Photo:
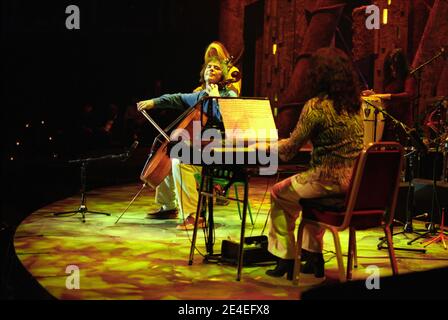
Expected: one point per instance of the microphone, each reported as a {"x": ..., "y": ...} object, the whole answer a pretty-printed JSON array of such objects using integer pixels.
[
  {"x": 132, "y": 148},
  {"x": 443, "y": 52},
  {"x": 424, "y": 215},
  {"x": 125, "y": 156}
]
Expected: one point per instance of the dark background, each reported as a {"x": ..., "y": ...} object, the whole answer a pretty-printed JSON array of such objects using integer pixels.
[{"x": 125, "y": 51}]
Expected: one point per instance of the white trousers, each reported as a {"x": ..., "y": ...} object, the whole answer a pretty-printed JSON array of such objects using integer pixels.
[
  {"x": 285, "y": 210},
  {"x": 178, "y": 189}
]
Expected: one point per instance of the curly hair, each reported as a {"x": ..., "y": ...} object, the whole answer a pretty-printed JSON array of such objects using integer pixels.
[{"x": 332, "y": 74}]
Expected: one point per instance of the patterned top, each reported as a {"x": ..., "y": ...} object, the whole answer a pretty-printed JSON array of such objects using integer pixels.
[{"x": 337, "y": 140}]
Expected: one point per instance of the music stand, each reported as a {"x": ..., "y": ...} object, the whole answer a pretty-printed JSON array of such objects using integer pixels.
[{"x": 237, "y": 114}]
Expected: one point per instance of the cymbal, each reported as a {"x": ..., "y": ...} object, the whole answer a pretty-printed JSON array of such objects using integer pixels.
[{"x": 437, "y": 99}]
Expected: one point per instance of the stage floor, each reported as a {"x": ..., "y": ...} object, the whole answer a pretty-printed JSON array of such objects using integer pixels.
[{"x": 140, "y": 258}]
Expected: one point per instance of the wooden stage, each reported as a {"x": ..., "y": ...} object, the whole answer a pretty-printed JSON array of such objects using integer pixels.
[{"x": 140, "y": 258}]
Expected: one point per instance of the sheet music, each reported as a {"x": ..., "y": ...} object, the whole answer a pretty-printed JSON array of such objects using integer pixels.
[{"x": 248, "y": 119}]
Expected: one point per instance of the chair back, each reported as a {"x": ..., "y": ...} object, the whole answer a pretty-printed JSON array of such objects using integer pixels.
[{"x": 375, "y": 181}]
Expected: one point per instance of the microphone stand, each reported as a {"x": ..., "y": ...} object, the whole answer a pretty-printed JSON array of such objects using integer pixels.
[
  {"x": 435, "y": 199},
  {"x": 408, "y": 225},
  {"x": 418, "y": 74},
  {"x": 424, "y": 64},
  {"x": 83, "y": 171}
]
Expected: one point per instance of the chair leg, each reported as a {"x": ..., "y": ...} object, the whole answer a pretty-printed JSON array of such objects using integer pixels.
[
  {"x": 351, "y": 252},
  {"x": 390, "y": 247},
  {"x": 337, "y": 245},
  {"x": 298, "y": 254}
]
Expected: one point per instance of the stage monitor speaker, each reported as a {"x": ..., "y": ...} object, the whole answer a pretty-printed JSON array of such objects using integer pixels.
[
  {"x": 423, "y": 196},
  {"x": 255, "y": 251}
]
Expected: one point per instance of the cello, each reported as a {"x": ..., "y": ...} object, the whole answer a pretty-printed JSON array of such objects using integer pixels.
[{"x": 158, "y": 164}]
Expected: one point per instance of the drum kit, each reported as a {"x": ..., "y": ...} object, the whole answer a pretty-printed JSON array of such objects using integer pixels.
[{"x": 434, "y": 142}]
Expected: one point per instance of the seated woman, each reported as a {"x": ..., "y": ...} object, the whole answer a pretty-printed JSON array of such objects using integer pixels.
[{"x": 332, "y": 121}]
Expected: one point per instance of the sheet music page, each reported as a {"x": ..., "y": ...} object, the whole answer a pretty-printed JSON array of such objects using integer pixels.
[{"x": 248, "y": 119}]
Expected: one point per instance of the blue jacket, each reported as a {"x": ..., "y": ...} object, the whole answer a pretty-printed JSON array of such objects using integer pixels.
[{"x": 183, "y": 101}]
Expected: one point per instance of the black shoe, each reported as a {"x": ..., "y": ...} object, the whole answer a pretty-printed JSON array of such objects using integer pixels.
[
  {"x": 305, "y": 255},
  {"x": 283, "y": 266},
  {"x": 315, "y": 264},
  {"x": 163, "y": 214}
]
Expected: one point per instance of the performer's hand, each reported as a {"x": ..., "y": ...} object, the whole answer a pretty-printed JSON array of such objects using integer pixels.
[
  {"x": 366, "y": 93},
  {"x": 212, "y": 90},
  {"x": 145, "y": 104}
]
